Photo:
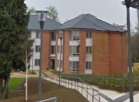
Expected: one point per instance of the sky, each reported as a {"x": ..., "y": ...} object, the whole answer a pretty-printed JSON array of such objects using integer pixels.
[{"x": 111, "y": 11}]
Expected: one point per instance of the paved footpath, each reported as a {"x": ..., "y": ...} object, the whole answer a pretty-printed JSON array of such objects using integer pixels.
[{"x": 93, "y": 93}]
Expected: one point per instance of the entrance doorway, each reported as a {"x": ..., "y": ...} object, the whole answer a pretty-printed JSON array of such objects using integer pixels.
[{"x": 52, "y": 64}]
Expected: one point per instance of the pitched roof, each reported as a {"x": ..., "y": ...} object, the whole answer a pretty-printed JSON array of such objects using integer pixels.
[
  {"x": 88, "y": 21},
  {"x": 49, "y": 24}
]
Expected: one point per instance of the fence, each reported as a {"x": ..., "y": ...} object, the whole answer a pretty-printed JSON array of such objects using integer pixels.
[
  {"x": 91, "y": 94},
  {"x": 52, "y": 99}
]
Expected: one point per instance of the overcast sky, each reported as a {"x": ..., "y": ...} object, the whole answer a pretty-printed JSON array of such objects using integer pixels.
[{"x": 111, "y": 11}]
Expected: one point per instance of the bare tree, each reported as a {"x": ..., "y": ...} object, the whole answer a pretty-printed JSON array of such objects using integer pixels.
[{"x": 52, "y": 13}]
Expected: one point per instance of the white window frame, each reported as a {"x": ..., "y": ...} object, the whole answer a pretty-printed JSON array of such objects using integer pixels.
[
  {"x": 75, "y": 35},
  {"x": 75, "y": 50},
  {"x": 38, "y": 35},
  {"x": 74, "y": 66},
  {"x": 89, "y": 35},
  {"x": 37, "y": 62},
  {"x": 88, "y": 65},
  {"x": 37, "y": 48},
  {"x": 53, "y": 36},
  {"x": 89, "y": 50}
]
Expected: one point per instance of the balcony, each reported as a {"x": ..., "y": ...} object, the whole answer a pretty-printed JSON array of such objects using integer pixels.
[
  {"x": 88, "y": 71},
  {"x": 89, "y": 42},
  {"x": 89, "y": 57},
  {"x": 74, "y": 58},
  {"x": 74, "y": 43},
  {"x": 52, "y": 56},
  {"x": 53, "y": 43}
]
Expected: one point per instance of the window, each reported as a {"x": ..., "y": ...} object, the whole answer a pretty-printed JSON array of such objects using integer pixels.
[
  {"x": 89, "y": 34},
  {"x": 75, "y": 35},
  {"x": 52, "y": 49},
  {"x": 88, "y": 65},
  {"x": 38, "y": 34},
  {"x": 37, "y": 62},
  {"x": 37, "y": 48},
  {"x": 74, "y": 66},
  {"x": 89, "y": 50},
  {"x": 53, "y": 36},
  {"x": 74, "y": 50}
]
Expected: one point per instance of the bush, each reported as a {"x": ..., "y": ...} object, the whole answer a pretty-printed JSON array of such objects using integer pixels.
[
  {"x": 136, "y": 69},
  {"x": 118, "y": 83},
  {"x": 32, "y": 72}
]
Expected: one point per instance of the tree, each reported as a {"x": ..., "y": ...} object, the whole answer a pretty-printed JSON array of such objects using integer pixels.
[
  {"x": 135, "y": 46},
  {"x": 32, "y": 10},
  {"x": 14, "y": 39},
  {"x": 52, "y": 13},
  {"x": 5, "y": 48}
]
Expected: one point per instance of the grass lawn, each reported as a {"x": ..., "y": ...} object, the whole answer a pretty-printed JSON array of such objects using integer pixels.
[
  {"x": 15, "y": 83},
  {"x": 49, "y": 90}
]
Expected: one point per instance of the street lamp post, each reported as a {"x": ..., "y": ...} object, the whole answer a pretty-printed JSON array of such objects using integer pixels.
[
  {"x": 138, "y": 16},
  {"x": 130, "y": 73},
  {"x": 42, "y": 20},
  {"x": 133, "y": 4}
]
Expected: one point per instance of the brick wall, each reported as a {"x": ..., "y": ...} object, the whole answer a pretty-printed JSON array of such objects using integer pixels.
[
  {"x": 125, "y": 52},
  {"x": 100, "y": 53},
  {"x": 109, "y": 53},
  {"x": 66, "y": 52},
  {"x": 118, "y": 51},
  {"x": 46, "y": 50},
  {"x": 82, "y": 57}
]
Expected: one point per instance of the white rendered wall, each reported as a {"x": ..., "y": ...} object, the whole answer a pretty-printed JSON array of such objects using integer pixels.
[{"x": 35, "y": 55}]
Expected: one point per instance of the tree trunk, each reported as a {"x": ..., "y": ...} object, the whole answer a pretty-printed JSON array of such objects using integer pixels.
[
  {"x": 6, "y": 88},
  {"x": 1, "y": 83}
]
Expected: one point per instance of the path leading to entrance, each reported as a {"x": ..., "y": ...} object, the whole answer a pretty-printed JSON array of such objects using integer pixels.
[{"x": 50, "y": 74}]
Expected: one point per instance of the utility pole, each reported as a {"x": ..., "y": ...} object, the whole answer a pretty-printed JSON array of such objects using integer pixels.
[
  {"x": 138, "y": 16},
  {"x": 128, "y": 4},
  {"x": 42, "y": 20},
  {"x": 130, "y": 73}
]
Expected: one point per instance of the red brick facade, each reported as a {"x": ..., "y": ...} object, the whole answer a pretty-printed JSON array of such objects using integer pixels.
[
  {"x": 46, "y": 50},
  {"x": 66, "y": 64},
  {"x": 110, "y": 53},
  {"x": 82, "y": 57},
  {"x": 101, "y": 53}
]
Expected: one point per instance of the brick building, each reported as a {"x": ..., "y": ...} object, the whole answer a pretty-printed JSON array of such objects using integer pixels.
[
  {"x": 89, "y": 46},
  {"x": 48, "y": 44}
]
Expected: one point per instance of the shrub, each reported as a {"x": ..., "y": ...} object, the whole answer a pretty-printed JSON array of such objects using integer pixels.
[
  {"x": 32, "y": 72},
  {"x": 136, "y": 69},
  {"x": 118, "y": 83}
]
